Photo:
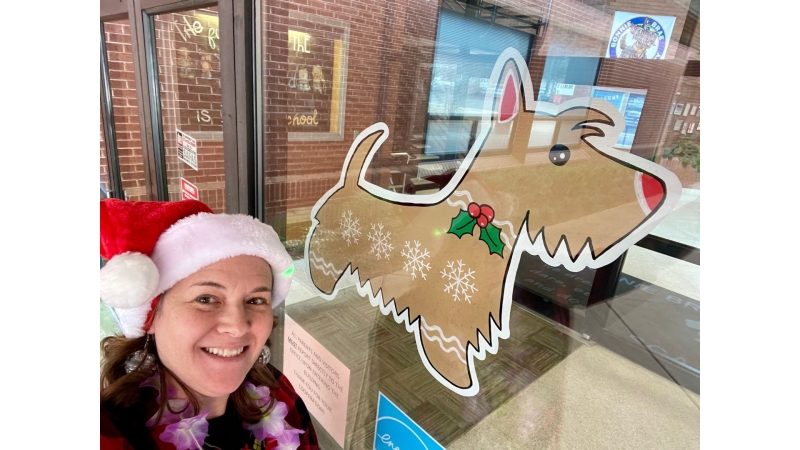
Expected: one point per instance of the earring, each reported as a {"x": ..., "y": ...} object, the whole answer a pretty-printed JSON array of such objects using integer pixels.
[
  {"x": 264, "y": 357},
  {"x": 141, "y": 359}
]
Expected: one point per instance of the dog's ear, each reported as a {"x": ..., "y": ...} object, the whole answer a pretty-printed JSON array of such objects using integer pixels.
[
  {"x": 509, "y": 103},
  {"x": 361, "y": 153},
  {"x": 510, "y": 90}
]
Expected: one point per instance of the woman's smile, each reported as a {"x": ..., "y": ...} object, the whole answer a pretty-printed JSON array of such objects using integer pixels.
[{"x": 225, "y": 352}]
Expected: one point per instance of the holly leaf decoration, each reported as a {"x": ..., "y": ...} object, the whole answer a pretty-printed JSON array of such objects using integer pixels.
[
  {"x": 462, "y": 224},
  {"x": 491, "y": 235}
]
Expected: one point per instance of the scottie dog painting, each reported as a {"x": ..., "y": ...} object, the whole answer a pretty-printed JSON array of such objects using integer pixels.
[{"x": 540, "y": 178}]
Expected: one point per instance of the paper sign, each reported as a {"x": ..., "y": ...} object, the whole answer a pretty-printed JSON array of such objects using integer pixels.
[
  {"x": 394, "y": 430},
  {"x": 189, "y": 191},
  {"x": 639, "y": 36},
  {"x": 565, "y": 89},
  {"x": 321, "y": 380},
  {"x": 187, "y": 149}
]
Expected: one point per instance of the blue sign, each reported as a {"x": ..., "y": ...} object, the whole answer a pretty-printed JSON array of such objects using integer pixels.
[
  {"x": 615, "y": 98},
  {"x": 633, "y": 112},
  {"x": 639, "y": 37},
  {"x": 394, "y": 430}
]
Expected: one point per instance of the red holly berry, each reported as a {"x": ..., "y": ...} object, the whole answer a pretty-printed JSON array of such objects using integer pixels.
[
  {"x": 474, "y": 210},
  {"x": 487, "y": 211},
  {"x": 482, "y": 221}
]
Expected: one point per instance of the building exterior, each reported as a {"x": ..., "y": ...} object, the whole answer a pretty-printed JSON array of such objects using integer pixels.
[{"x": 255, "y": 106}]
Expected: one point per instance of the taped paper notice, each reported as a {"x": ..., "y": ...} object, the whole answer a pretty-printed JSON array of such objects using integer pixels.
[
  {"x": 321, "y": 380},
  {"x": 187, "y": 149}
]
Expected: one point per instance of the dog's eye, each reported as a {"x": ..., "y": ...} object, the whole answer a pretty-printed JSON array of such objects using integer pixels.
[{"x": 559, "y": 154}]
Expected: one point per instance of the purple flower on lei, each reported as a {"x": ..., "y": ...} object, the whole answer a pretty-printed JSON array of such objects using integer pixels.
[
  {"x": 257, "y": 392},
  {"x": 187, "y": 434},
  {"x": 272, "y": 425},
  {"x": 290, "y": 439},
  {"x": 175, "y": 404},
  {"x": 178, "y": 404}
]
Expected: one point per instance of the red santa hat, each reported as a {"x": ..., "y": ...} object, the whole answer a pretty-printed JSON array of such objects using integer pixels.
[{"x": 151, "y": 246}]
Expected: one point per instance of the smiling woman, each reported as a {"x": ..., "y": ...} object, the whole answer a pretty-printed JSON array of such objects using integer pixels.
[{"x": 194, "y": 292}]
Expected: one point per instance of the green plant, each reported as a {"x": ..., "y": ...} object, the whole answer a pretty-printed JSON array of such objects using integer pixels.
[{"x": 687, "y": 149}]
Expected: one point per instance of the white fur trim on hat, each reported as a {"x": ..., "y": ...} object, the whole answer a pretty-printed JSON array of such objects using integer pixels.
[
  {"x": 128, "y": 280},
  {"x": 131, "y": 321},
  {"x": 202, "y": 239}
]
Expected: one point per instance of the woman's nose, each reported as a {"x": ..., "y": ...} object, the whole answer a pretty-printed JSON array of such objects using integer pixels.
[{"x": 234, "y": 320}]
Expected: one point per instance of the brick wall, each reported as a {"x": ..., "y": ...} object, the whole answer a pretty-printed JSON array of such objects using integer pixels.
[
  {"x": 389, "y": 53},
  {"x": 125, "y": 107}
]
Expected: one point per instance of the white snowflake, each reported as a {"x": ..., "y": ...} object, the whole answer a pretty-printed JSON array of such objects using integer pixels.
[
  {"x": 415, "y": 260},
  {"x": 381, "y": 245},
  {"x": 349, "y": 227},
  {"x": 460, "y": 284}
]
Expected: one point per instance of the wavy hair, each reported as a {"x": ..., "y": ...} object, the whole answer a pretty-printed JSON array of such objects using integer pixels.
[{"x": 121, "y": 388}]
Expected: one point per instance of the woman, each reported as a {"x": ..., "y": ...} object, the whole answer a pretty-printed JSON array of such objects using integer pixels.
[{"x": 194, "y": 293}]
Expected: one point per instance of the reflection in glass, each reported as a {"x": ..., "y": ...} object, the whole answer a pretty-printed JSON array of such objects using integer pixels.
[
  {"x": 554, "y": 155},
  {"x": 187, "y": 45}
]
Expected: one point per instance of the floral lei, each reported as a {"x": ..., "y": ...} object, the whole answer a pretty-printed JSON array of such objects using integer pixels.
[{"x": 189, "y": 432}]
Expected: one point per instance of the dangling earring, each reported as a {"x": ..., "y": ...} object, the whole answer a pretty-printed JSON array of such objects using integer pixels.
[
  {"x": 141, "y": 359},
  {"x": 264, "y": 357}
]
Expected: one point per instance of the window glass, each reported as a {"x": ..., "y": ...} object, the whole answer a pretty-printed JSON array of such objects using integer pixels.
[
  {"x": 493, "y": 209},
  {"x": 187, "y": 46}
]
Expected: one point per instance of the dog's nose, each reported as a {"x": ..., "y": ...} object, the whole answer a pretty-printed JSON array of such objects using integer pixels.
[{"x": 650, "y": 191}]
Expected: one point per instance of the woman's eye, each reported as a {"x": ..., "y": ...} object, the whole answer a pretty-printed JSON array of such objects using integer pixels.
[
  {"x": 205, "y": 299},
  {"x": 258, "y": 301}
]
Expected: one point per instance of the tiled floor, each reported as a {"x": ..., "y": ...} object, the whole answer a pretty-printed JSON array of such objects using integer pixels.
[
  {"x": 683, "y": 223},
  {"x": 544, "y": 389},
  {"x": 592, "y": 400},
  {"x": 683, "y": 226},
  {"x": 382, "y": 356}
]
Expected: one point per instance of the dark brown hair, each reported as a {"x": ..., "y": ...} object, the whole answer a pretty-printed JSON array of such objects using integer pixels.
[{"x": 122, "y": 388}]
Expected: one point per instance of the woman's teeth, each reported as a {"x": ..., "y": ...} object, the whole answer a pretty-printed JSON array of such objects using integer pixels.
[{"x": 224, "y": 352}]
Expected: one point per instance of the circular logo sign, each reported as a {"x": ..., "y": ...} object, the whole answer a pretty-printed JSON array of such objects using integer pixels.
[{"x": 640, "y": 38}]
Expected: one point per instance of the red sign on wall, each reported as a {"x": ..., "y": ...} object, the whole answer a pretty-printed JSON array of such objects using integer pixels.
[{"x": 189, "y": 191}]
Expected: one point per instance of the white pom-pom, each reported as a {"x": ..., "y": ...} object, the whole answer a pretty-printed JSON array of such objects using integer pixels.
[{"x": 128, "y": 280}]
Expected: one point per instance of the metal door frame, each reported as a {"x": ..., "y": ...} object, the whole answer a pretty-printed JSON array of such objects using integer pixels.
[
  {"x": 237, "y": 73},
  {"x": 108, "y": 126}
]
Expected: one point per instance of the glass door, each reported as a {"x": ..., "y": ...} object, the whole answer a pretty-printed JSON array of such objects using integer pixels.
[
  {"x": 187, "y": 57},
  {"x": 168, "y": 80}
]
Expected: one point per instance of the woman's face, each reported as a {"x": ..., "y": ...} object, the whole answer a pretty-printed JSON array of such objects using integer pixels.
[{"x": 211, "y": 326}]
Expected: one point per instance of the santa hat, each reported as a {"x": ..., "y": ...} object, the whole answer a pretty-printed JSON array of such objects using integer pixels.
[{"x": 151, "y": 246}]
